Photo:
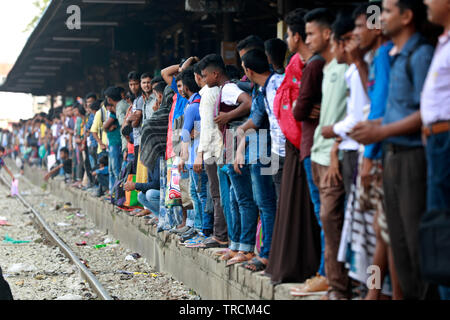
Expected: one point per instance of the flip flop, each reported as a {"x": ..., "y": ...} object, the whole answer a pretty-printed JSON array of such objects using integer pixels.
[
  {"x": 228, "y": 255},
  {"x": 142, "y": 214},
  {"x": 221, "y": 252},
  {"x": 211, "y": 243},
  {"x": 259, "y": 266},
  {"x": 240, "y": 257},
  {"x": 134, "y": 212}
]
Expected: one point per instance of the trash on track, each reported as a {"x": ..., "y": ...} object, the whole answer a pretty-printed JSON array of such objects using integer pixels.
[{"x": 8, "y": 239}]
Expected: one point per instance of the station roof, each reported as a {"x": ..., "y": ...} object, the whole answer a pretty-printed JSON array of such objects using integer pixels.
[{"x": 118, "y": 36}]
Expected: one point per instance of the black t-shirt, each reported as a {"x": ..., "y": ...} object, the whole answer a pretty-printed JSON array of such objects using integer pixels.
[{"x": 67, "y": 165}]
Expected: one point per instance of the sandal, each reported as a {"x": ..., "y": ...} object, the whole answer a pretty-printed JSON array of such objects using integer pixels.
[
  {"x": 143, "y": 213},
  {"x": 152, "y": 221},
  {"x": 134, "y": 212},
  {"x": 228, "y": 255},
  {"x": 221, "y": 252},
  {"x": 255, "y": 265},
  {"x": 212, "y": 243},
  {"x": 240, "y": 257}
]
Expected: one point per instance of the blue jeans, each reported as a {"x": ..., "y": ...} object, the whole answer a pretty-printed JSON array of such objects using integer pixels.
[
  {"x": 265, "y": 196},
  {"x": 168, "y": 217},
  {"x": 438, "y": 180},
  {"x": 150, "y": 200},
  {"x": 114, "y": 163},
  {"x": 198, "y": 191},
  {"x": 224, "y": 188},
  {"x": 315, "y": 198},
  {"x": 243, "y": 209}
]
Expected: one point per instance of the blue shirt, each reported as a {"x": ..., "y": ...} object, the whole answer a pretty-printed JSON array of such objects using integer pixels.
[
  {"x": 180, "y": 104},
  {"x": 404, "y": 96},
  {"x": 378, "y": 89},
  {"x": 91, "y": 138},
  {"x": 191, "y": 121},
  {"x": 260, "y": 118},
  {"x": 103, "y": 171}
]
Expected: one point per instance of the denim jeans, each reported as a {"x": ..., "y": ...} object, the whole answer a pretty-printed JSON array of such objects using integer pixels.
[
  {"x": 438, "y": 180},
  {"x": 266, "y": 199},
  {"x": 198, "y": 191},
  {"x": 168, "y": 217},
  {"x": 243, "y": 209},
  {"x": 150, "y": 200},
  {"x": 224, "y": 188},
  {"x": 114, "y": 163},
  {"x": 315, "y": 198}
]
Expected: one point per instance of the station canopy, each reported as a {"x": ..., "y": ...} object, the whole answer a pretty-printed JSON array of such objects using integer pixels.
[{"x": 118, "y": 36}]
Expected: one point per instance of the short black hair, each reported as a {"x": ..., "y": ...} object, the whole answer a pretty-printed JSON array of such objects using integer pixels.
[
  {"x": 188, "y": 79},
  {"x": 295, "y": 21},
  {"x": 81, "y": 110},
  {"x": 178, "y": 77},
  {"x": 96, "y": 105},
  {"x": 146, "y": 75},
  {"x": 157, "y": 79},
  {"x": 276, "y": 49},
  {"x": 251, "y": 42},
  {"x": 256, "y": 60},
  {"x": 103, "y": 160},
  {"x": 322, "y": 16},
  {"x": 343, "y": 24},
  {"x": 133, "y": 75},
  {"x": 65, "y": 150},
  {"x": 121, "y": 89},
  {"x": 91, "y": 95},
  {"x": 159, "y": 87},
  {"x": 418, "y": 9},
  {"x": 2, "y": 149},
  {"x": 363, "y": 9},
  {"x": 212, "y": 60},
  {"x": 197, "y": 69},
  {"x": 130, "y": 96},
  {"x": 113, "y": 93},
  {"x": 231, "y": 71}
]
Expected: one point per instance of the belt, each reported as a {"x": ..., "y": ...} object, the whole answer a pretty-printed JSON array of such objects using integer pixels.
[
  {"x": 395, "y": 148},
  {"x": 436, "y": 128}
]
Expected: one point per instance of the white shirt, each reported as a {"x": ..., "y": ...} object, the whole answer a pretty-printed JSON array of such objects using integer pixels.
[
  {"x": 435, "y": 102},
  {"x": 356, "y": 102},
  {"x": 230, "y": 94},
  {"x": 210, "y": 143},
  {"x": 278, "y": 139}
]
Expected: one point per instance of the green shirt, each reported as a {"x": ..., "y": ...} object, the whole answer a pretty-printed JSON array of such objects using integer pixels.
[
  {"x": 114, "y": 136},
  {"x": 333, "y": 109}
]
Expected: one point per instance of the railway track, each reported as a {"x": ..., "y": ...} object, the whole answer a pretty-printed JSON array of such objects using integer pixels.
[
  {"x": 108, "y": 269},
  {"x": 85, "y": 273}
]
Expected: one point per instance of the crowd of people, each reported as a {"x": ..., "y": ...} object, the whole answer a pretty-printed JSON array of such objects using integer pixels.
[{"x": 316, "y": 159}]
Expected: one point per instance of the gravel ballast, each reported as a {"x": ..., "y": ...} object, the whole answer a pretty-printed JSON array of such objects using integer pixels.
[{"x": 124, "y": 274}]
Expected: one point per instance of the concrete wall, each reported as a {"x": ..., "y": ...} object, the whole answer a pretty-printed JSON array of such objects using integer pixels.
[{"x": 199, "y": 269}]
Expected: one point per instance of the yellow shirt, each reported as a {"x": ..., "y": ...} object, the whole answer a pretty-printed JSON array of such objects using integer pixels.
[
  {"x": 43, "y": 130},
  {"x": 97, "y": 126}
]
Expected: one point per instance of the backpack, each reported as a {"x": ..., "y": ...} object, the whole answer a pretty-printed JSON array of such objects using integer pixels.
[
  {"x": 286, "y": 95},
  {"x": 118, "y": 193}
]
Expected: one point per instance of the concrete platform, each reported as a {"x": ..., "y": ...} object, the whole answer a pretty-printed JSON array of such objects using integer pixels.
[{"x": 199, "y": 269}]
